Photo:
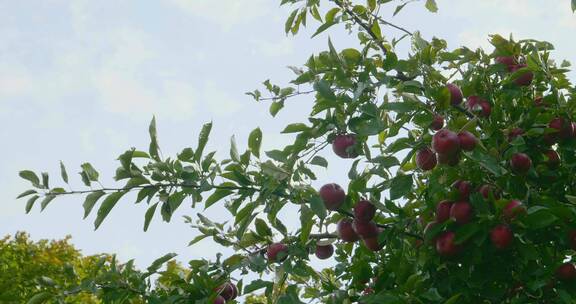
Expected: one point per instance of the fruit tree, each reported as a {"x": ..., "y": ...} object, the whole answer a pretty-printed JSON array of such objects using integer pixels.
[{"x": 460, "y": 187}]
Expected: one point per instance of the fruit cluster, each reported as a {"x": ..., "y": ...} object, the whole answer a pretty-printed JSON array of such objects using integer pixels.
[{"x": 225, "y": 292}]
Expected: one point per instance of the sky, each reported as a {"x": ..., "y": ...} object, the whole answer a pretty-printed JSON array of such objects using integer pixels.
[{"x": 80, "y": 81}]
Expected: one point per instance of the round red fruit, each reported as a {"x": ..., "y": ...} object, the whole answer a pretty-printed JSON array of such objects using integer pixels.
[
  {"x": 479, "y": 105},
  {"x": 552, "y": 159},
  {"x": 461, "y": 212},
  {"x": 467, "y": 141},
  {"x": 487, "y": 190},
  {"x": 445, "y": 245},
  {"x": 513, "y": 209},
  {"x": 228, "y": 291},
  {"x": 445, "y": 142},
  {"x": 324, "y": 252},
  {"x": 344, "y": 146},
  {"x": 364, "y": 211},
  {"x": 566, "y": 272},
  {"x": 464, "y": 189},
  {"x": 501, "y": 236},
  {"x": 508, "y": 61},
  {"x": 426, "y": 159},
  {"x": 455, "y": 94},
  {"x": 520, "y": 163},
  {"x": 365, "y": 229},
  {"x": 443, "y": 211},
  {"x": 346, "y": 232},
  {"x": 437, "y": 123},
  {"x": 277, "y": 252},
  {"x": 219, "y": 300},
  {"x": 373, "y": 244},
  {"x": 525, "y": 79},
  {"x": 512, "y": 134},
  {"x": 333, "y": 196}
]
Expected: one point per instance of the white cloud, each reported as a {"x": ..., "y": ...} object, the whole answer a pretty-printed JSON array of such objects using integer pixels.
[{"x": 226, "y": 14}]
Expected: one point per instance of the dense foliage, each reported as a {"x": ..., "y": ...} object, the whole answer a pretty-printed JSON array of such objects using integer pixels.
[{"x": 461, "y": 177}]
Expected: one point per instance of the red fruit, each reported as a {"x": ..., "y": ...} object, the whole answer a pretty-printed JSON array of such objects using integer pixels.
[
  {"x": 485, "y": 190},
  {"x": 219, "y": 300},
  {"x": 553, "y": 159},
  {"x": 572, "y": 239},
  {"x": 520, "y": 163},
  {"x": 455, "y": 94},
  {"x": 227, "y": 290},
  {"x": 566, "y": 272},
  {"x": 515, "y": 133},
  {"x": 443, "y": 211},
  {"x": 426, "y": 159},
  {"x": 344, "y": 145},
  {"x": 277, "y": 252},
  {"x": 333, "y": 196},
  {"x": 365, "y": 229},
  {"x": 324, "y": 252},
  {"x": 479, "y": 105},
  {"x": 346, "y": 231},
  {"x": 364, "y": 211},
  {"x": 373, "y": 244},
  {"x": 449, "y": 159},
  {"x": 445, "y": 245},
  {"x": 564, "y": 128},
  {"x": 368, "y": 290},
  {"x": 445, "y": 142},
  {"x": 501, "y": 236},
  {"x": 539, "y": 101},
  {"x": 464, "y": 188},
  {"x": 508, "y": 61},
  {"x": 513, "y": 209},
  {"x": 437, "y": 123},
  {"x": 461, "y": 212},
  {"x": 467, "y": 141},
  {"x": 525, "y": 79}
]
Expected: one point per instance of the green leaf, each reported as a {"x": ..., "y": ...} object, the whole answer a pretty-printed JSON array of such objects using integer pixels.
[
  {"x": 47, "y": 199},
  {"x": 255, "y": 285},
  {"x": 453, "y": 299},
  {"x": 40, "y": 297},
  {"x": 216, "y": 196},
  {"x": 45, "y": 180},
  {"x": 26, "y": 193},
  {"x": 202, "y": 140},
  {"x": 197, "y": 239},
  {"x": 319, "y": 161},
  {"x": 149, "y": 215},
  {"x": 295, "y": 128},
  {"x": 317, "y": 206},
  {"x": 90, "y": 201},
  {"x": 234, "y": 150},
  {"x": 160, "y": 261},
  {"x": 255, "y": 141},
  {"x": 275, "y": 107},
  {"x": 431, "y": 6},
  {"x": 153, "y": 149},
  {"x": 400, "y": 186},
  {"x": 466, "y": 232},
  {"x": 573, "y": 5},
  {"x": 306, "y": 222},
  {"x": 290, "y": 21},
  {"x": 262, "y": 228},
  {"x": 107, "y": 206},
  {"x": 399, "y": 8},
  {"x": 270, "y": 169},
  {"x": 324, "y": 90},
  {"x": 540, "y": 219},
  {"x": 322, "y": 28},
  {"x": 376, "y": 30},
  {"x": 30, "y": 203},
  {"x": 90, "y": 172},
  {"x": 31, "y": 177},
  {"x": 63, "y": 172}
]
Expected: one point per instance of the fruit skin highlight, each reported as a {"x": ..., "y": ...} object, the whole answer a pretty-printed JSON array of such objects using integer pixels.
[
  {"x": 344, "y": 144},
  {"x": 501, "y": 236},
  {"x": 333, "y": 196}
]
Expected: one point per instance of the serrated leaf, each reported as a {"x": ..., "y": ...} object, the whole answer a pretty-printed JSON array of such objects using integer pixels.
[
  {"x": 255, "y": 141},
  {"x": 30, "y": 203},
  {"x": 90, "y": 201},
  {"x": 319, "y": 161},
  {"x": 202, "y": 140},
  {"x": 107, "y": 205},
  {"x": 160, "y": 261},
  {"x": 47, "y": 199},
  {"x": 400, "y": 186},
  {"x": 63, "y": 172},
  {"x": 26, "y": 193},
  {"x": 31, "y": 177},
  {"x": 317, "y": 206},
  {"x": 149, "y": 215},
  {"x": 431, "y": 6},
  {"x": 40, "y": 297},
  {"x": 90, "y": 172},
  {"x": 216, "y": 196}
]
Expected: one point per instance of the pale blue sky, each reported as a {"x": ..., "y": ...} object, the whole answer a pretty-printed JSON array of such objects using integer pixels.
[{"x": 80, "y": 80}]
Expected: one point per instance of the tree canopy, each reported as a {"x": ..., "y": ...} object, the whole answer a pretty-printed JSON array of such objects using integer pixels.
[{"x": 461, "y": 185}]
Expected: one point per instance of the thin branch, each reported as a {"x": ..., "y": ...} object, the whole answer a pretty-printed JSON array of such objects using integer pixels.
[
  {"x": 286, "y": 96},
  {"x": 363, "y": 25},
  {"x": 393, "y": 25}
]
